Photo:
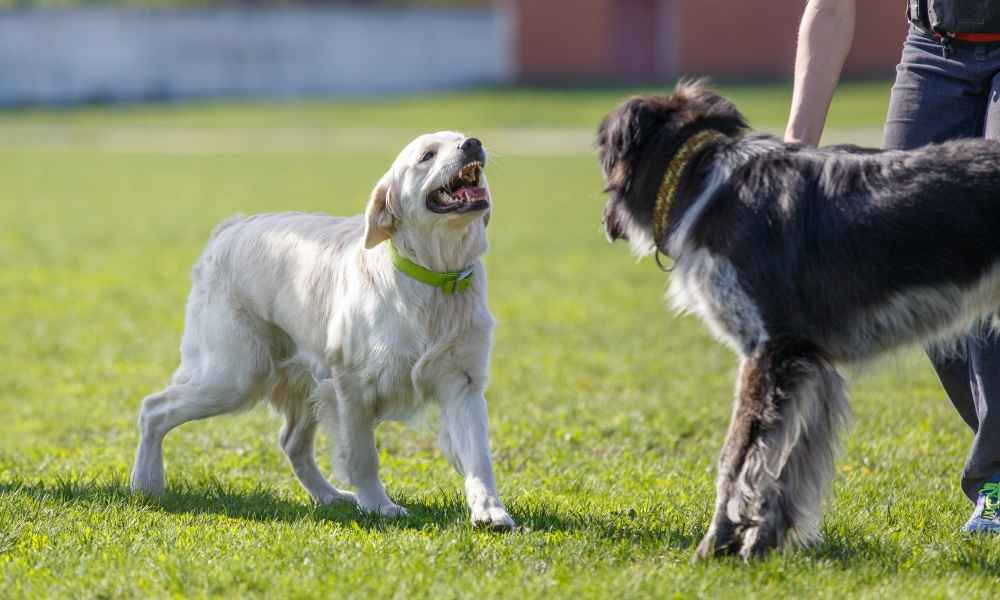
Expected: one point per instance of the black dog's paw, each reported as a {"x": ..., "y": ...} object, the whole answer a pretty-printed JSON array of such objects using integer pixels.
[
  {"x": 719, "y": 541},
  {"x": 759, "y": 541}
]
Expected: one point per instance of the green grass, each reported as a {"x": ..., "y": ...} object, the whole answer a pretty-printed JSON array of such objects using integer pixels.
[
  {"x": 856, "y": 105},
  {"x": 606, "y": 411}
]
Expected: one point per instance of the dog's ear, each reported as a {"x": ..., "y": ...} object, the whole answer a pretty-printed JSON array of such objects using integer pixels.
[
  {"x": 380, "y": 214},
  {"x": 627, "y": 127},
  {"x": 621, "y": 138},
  {"x": 613, "y": 229}
]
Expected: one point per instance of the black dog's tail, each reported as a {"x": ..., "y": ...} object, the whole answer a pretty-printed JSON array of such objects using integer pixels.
[{"x": 778, "y": 460}]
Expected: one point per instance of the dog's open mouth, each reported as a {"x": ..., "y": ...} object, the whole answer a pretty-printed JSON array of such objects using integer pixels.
[{"x": 464, "y": 193}]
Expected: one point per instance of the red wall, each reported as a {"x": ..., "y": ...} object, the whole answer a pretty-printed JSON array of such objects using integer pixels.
[
  {"x": 743, "y": 40},
  {"x": 578, "y": 40},
  {"x": 564, "y": 39},
  {"x": 878, "y": 39}
]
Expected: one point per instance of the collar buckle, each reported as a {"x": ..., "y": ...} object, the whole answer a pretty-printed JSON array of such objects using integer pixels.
[
  {"x": 460, "y": 283},
  {"x": 449, "y": 283}
]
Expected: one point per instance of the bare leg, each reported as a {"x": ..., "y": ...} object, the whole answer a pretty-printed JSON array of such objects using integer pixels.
[
  {"x": 778, "y": 458},
  {"x": 465, "y": 441}
]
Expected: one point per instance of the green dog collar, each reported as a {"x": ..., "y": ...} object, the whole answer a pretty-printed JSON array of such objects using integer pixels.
[{"x": 448, "y": 282}]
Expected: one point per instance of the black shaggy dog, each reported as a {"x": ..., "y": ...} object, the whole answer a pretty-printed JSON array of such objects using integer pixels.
[{"x": 800, "y": 259}]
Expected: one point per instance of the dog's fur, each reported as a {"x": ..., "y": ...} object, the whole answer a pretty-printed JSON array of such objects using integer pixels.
[
  {"x": 309, "y": 312},
  {"x": 801, "y": 259}
]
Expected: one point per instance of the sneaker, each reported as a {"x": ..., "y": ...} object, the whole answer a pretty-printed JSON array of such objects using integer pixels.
[{"x": 986, "y": 517}]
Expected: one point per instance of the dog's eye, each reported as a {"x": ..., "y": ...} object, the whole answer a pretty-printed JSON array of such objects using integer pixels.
[{"x": 427, "y": 156}]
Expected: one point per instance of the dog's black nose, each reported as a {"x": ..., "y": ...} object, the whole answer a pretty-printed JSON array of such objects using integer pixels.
[{"x": 472, "y": 148}]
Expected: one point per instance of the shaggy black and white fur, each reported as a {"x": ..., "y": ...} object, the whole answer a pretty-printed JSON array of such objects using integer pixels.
[{"x": 801, "y": 259}]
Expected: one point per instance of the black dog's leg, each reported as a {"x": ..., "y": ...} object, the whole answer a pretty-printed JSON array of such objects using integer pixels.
[
  {"x": 724, "y": 535},
  {"x": 778, "y": 458}
]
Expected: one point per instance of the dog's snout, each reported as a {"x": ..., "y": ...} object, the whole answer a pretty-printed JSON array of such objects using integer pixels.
[{"x": 473, "y": 149}]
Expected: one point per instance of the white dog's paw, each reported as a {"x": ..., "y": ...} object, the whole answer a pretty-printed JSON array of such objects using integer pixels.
[
  {"x": 494, "y": 518},
  {"x": 334, "y": 496},
  {"x": 390, "y": 510},
  {"x": 147, "y": 484}
]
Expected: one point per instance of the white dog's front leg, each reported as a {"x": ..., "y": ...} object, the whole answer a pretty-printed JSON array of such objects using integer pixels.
[
  {"x": 465, "y": 441},
  {"x": 355, "y": 455}
]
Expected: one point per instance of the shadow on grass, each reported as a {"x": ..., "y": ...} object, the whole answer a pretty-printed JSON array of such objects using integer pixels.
[
  {"x": 260, "y": 504},
  {"x": 849, "y": 552},
  {"x": 445, "y": 511},
  {"x": 624, "y": 527}
]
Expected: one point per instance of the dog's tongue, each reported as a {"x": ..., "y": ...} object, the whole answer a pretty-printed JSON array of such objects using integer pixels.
[{"x": 471, "y": 194}]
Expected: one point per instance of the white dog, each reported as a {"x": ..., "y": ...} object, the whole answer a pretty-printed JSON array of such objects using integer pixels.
[{"x": 336, "y": 327}]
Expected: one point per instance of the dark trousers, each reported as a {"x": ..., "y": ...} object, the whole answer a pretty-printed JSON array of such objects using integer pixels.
[{"x": 940, "y": 96}]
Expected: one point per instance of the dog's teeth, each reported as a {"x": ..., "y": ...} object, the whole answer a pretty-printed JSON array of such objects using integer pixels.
[{"x": 470, "y": 172}]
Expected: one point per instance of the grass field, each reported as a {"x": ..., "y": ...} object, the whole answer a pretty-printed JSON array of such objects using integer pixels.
[{"x": 606, "y": 411}]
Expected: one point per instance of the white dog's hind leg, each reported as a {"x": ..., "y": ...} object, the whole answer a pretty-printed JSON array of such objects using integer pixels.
[
  {"x": 465, "y": 441},
  {"x": 296, "y": 440},
  {"x": 164, "y": 411},
  {"x": 147, "y": 473},
  {"x": 223, "y": 369},
  {"x": 355, "y": 456}
]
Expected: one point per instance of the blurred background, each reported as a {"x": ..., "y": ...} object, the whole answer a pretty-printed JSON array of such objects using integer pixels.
[{"x": 85, "y": 51}]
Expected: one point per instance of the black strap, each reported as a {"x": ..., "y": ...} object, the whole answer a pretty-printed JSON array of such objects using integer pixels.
[{"x": 916, "y": 13}]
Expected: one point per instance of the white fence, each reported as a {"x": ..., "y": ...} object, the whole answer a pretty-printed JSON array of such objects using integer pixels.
[{"x": 86, "y": 55}]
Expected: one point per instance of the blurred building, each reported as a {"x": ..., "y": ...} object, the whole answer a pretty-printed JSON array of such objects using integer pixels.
[
  {"x": 120, "y": 54},
  {"x": 607, "y": 40},
  {"x": 110, "y": 51}
]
